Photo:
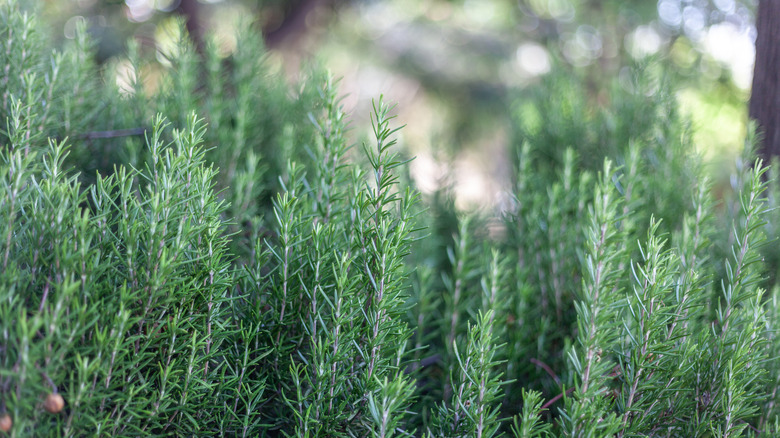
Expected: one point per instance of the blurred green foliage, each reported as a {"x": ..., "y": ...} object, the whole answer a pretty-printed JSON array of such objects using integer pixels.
[
  {"x": 468, "y": 61},
  {"x": 290, "y": 292}
]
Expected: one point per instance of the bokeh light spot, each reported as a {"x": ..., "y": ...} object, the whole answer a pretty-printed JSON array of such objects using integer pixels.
[
  {"x": 125, "y": 77},
  {"x": 727, "y": 44},
  {"x": 669, "y": 12},
  {"x": 726, "y": 6},
  {"x": 643, "y": 41},
  {"x": 693, "y": 21},
  {"x": 139, "y": 10},
  {"x": 533, "y": 59},
  {"x": 71, "y": 25}
]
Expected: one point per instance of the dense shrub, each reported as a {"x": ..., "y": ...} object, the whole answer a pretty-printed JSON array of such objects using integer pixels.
[{"x": 209, "y": 258}]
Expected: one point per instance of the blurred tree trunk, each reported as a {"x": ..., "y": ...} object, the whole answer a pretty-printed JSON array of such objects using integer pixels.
[
  {"x": 294, "y": 24},
  {"x": 190, "y": 10},
  {"x": 765, "y": 99}
]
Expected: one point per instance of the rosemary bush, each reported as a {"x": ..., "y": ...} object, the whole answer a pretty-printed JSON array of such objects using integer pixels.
[{"x": 211, "y": 258}]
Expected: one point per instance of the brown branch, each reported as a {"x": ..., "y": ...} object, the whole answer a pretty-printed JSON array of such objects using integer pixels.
[
  {"x": 294, "y": 24},
  {"x": 546, "y": 367},
  {"x": 190, "y": 10},
  {"x": 556, "y": 398}
]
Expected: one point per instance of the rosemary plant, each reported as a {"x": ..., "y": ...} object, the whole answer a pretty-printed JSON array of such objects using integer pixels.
[{"x": 208, "y": 256}]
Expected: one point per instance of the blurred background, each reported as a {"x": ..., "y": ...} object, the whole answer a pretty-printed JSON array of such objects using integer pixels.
[{"x": 463, "y": 71}]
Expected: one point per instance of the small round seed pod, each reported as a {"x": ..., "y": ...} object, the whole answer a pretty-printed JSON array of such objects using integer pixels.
[
  {"x": 54, "y": 403},
  {"x": 6, "y": 423}
]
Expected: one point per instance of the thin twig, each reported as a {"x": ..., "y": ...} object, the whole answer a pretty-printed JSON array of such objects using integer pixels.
[
  {"x": 556, "y": 398},
  {"x": 546, "y": 367}
]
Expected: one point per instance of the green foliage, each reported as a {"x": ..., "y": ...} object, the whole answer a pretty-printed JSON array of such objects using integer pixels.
[
  {"x": 207, "y": 259},
  {"x": 587, "y": 412},
  {"x": 111, "y": 293},
  {"x": 473, "y": 408},
  {"x": 531, "y": 424}
]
